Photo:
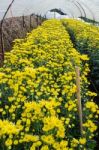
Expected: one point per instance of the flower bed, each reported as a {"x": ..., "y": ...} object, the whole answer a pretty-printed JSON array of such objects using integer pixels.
[
  {"x": 38, "y": 104},
  {"x": 86, "y": 40}
]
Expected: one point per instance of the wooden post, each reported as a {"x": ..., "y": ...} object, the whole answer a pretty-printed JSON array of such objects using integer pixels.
[
  {"x": 37, "y": 19},
  {"x": 30, "y": 21},
  {"x": 79, "y": 98},
  {"x": 40, "y": 19},
  {"x": 23, "y": 21}
]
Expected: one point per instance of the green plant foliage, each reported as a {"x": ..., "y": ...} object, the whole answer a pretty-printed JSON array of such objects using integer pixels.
[
  {"x": 38, "y": 102},
  {"x": 86, "y": 40}
]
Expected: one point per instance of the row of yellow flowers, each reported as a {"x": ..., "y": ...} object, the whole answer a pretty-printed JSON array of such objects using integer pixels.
[
  {"x": 86, "y": 40},
  {"x": 38, "y": 105}
]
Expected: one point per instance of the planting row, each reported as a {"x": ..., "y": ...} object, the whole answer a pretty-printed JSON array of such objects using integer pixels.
[
  {"x": 38, "y": 103},
  {"x": 85, "y": 38}
]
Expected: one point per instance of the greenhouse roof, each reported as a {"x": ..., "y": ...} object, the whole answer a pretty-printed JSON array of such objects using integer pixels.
[{"x": 73, "y": 8}]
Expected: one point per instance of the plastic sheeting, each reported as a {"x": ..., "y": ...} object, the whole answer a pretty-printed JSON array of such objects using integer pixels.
[{"x": 73, "y": 8}]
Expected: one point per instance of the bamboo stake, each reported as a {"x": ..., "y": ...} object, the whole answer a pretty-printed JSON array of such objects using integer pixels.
[{"x": 79, "y": 98}]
